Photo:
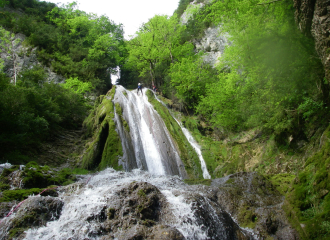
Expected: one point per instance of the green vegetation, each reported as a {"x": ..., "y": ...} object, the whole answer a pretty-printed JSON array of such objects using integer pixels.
[
  {"x": 263, "y": 107},
  {"x": 206, "y": 182},
  {"x": 83, "y": 48},
  {"x": 73, "y": 43},
  {"x": 308, "y": 200},
  {"x": 32, "y": 110},
  {"x": 247, "y": 216},
  {"x": 35, "y": 178}
]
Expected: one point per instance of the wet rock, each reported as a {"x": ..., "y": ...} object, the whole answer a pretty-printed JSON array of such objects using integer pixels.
[
  {"x": 162, "y": 208},
  {"x": 5, "y": 208},
  {"x": 137, "y": 203},
  {"x": 34, "y": 212},
  {"x": 218, "y": 224},
  {"x": 135, "y": 213},
  {"x": 163, "y": 232},
  {"x": 255, "y": 203},
  {"x": 4, "y": 166}
]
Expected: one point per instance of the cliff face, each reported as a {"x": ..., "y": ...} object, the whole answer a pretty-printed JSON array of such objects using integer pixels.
[
  {"x": 313, "y": 19},
  {"x": 18, "y": 56}
]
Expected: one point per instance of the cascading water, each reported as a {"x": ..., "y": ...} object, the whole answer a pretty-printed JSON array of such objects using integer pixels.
[
  {"x": 148, "y": 144},
  {"x": 184, "y": 210},
  {"x": 135, "y": 204},
  {"x": 193, "y": 143}
]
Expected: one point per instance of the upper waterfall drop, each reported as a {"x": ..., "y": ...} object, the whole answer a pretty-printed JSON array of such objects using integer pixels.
[{"x": 146, "y": 141}]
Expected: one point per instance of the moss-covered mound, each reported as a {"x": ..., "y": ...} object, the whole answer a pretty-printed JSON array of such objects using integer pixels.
[
  {"x": 188, "y": 155},
  {"x": 308, "y": 201},
  {"x": 17, "y": 185},
  {"x": 104, "y": 148}
]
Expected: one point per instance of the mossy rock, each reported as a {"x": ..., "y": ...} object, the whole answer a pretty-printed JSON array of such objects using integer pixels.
[
  {"x": 308, "y": 200},
  {"x": 104, "y": 148},
  {"x": 247, "y": 217},
  {"x": 188, "y": 155}
]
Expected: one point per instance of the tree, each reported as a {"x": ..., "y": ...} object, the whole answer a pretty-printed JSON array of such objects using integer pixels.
[
  {"x": 3, "y": 3},
  {"x": 189, "y": 77},
  {"x": 157, "y": 43}
]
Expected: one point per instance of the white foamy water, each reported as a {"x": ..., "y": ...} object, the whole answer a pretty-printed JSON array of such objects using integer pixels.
[
  {"x": 148, "y": 144},
  {"x": 84, "y": 200},
  {"x": 197, "y": 148}
]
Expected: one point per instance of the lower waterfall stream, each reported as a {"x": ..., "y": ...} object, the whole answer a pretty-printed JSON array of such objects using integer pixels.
[
  {"x": 147, "y": 201},
  {"x": 193, "y": 219}
]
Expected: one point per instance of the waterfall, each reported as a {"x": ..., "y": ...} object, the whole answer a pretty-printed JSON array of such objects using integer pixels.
[
  {"x": 147, "y": 201},
  {"x": 193, "y": 143},
  {"x": 182, "y": 208},
  {"x": 146, "y": 141}
]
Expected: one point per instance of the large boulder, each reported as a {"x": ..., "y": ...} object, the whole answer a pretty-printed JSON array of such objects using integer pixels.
[
  {"x": 33, "y": 212},
  {"x": 255, "y": 203}
]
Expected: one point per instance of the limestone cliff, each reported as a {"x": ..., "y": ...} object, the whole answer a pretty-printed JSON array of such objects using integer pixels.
[
  {"x": 18, "y": 55},
  {"x": 313, "y": 19},
  {"x": 213, "y": 41}
]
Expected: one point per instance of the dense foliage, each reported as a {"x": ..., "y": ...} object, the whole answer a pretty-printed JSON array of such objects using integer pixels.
[
  {"x": 269, "y": 80},
  {"x": 83, "y": 48},
  {"x": 266, "y": 77},
  {"x": 33, "y": 109},
  {"x": 70, "y": 41}
]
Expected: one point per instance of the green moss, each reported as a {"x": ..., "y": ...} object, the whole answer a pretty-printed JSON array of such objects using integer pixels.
[
  {"x": 247, "y": 217},
  {"x": 282, "y": 182},
  {"x": 18, "y": 195},
  {"x": 80, "y": 171},
  {"x": 4, "y": 186},
  {"x": 187, "y": 154},
  {"x": 119, "y": 111},
  {"x": 206, "y": 182},
  {"x": 308, "y": 201},
  {"x": 112, "y": 150},
  {"x": 104, "y": 149},
  {"x": 148, "y": 222},
  {"x": 141, "y": 193},
  {"x": 111, "y": 213},
  {"x": 15, "y": 232},
  {"x": 35, "y": 176}
]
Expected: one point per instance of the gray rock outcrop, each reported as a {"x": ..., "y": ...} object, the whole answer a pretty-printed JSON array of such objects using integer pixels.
[
  {"x": 313, "y": 19},
  {"x": 19, "y": 55},
  {"x": 213, "y": 44},
  {"x": 255, "y": 203}
]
